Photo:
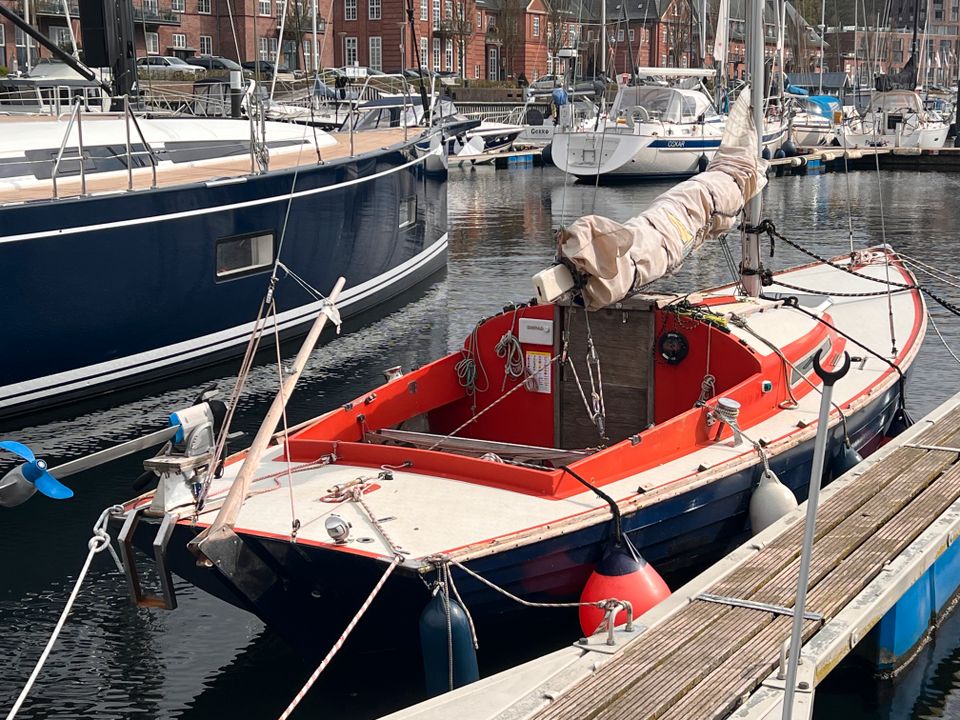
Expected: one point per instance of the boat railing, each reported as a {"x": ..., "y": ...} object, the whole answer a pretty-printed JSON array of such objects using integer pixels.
[
  {"x": 131, "y": 119},
  {"x": 74, "y": 118}
]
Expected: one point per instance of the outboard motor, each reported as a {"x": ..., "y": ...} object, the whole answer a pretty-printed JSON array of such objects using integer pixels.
[{"x": 184, "y": 461}]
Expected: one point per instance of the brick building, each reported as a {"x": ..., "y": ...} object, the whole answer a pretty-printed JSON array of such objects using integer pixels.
[{"x": 188, "y": 27}]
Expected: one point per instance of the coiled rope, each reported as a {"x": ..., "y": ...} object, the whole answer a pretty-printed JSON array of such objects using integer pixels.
[{"x": 99, "y": 542}]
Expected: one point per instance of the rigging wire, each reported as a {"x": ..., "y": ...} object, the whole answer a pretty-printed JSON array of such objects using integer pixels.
[{"x": 294, "y": 522}]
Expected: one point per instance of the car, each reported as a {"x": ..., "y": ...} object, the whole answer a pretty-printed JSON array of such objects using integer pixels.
[
  {"x": 165, "y": 65},
  {"x": 214, "y": 62},
  {"x": 266, "y": 69},
  {"x": 547, "y": 82}
]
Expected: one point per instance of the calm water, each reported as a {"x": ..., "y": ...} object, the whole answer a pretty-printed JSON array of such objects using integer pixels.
[{"x": 207, "y": 659}]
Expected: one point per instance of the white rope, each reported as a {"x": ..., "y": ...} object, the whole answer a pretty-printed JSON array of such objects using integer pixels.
[
  {"x": 942, "y": 338},
  {"x": 98, "y": 543},
  {"x": 343, "y": 638}
]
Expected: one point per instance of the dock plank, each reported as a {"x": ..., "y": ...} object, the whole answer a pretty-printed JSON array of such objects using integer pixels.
[{"x": 703, "y": 660}]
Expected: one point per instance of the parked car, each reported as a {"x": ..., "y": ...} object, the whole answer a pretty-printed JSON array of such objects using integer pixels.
[
  {"x": 547, "y": 82},
  {"x": 213, "y": 62},
  {"x": 266, "y": 69},
  {"x": 163, "y": 65}
]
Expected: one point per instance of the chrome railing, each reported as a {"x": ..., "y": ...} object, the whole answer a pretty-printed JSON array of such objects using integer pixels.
[
  {"x": 74, "y": 118},
  {"x": 129, "y": 118}
]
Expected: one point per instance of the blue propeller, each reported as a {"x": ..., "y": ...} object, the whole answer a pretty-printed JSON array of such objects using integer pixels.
[{"x": 34, "y": 470}]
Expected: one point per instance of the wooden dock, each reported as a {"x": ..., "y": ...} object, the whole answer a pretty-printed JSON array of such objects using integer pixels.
[
  {"x": 703, "y": 654},
  {"x": 888, "y": 158}
]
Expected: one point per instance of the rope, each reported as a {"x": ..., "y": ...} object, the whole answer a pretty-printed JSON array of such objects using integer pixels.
[
  {"x": 341, "y": 640},
  {"x": 96, "y": 544},
  {"x": 294, "y": 522},
  {"x": 942, "y": 339}
]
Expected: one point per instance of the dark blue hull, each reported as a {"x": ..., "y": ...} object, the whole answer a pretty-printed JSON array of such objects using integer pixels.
[
  {"x": 679, "y": 536},
  {"x": 110, "y": 291}
]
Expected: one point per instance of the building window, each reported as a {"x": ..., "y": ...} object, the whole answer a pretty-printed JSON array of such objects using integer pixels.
[
  {"x": 178, "y": 5},
  {"x": 492, "y": 64},
  {"x": 448, "y": 56},
  {"x": 350, "y": 10},
  {"x": 350, "y": 51},
  {"x": 448, "y": 10},
  {"x": 631, "y": 35},
  {"x": 436, "y": 14},
  {"x": 423, "y": 51},
  {"x": 59, "y": 35},
  {"x": 263, "y": 48},
  {"x": 536, "y": 26},
  {"x": 153, "y": 43},
  {"x": 3, "y": 41},
  {"x": 620, "y": 35},
  {"x": 206, "y": 45},
  {"x": 436, "y": 53},
  {"x": 479, "y": 20},
  {"x": 376, "y": 53},
  {"x": 424, "y": 9},
  {"x": 203, "y": 7},
  {"x": 263, "y": 8},
  {"x": 179, "y": 40},
  {"x": 242, "y": 255},
  {"x": 476, "y": 72},
  {"x": 373, "y": 10}
]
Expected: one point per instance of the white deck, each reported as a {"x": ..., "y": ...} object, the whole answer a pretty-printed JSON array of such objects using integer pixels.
[{"x": 431, "y": 515}]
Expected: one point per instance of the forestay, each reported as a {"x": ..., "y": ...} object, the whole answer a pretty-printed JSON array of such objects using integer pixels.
[{"x": 618, "y": 259}]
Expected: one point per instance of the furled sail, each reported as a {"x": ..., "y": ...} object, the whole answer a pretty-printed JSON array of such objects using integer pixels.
[{"x": 617, "y": 259}]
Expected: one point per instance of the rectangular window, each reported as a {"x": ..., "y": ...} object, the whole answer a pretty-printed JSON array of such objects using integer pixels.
[
  {"x": 448, "y": 56},
  {"x": 243, "y": 255},
  {"x": 536, "y": 26},
  {"x": 631, "y": 35},
  {"x": 153, "y": 43},
  {"x": 60, "y": 36},
  {"x": 178, "y": 6},
  {"x": 479, "y": 20},
  {"x": 3, "y": 37},
  {"x": 424, "y": 9},
  {"x": 206, "y": 45},
  {"x": 350, "y": 10},
  {"x": 151, "y": 8},
  {"x": 436, "y": 14},
  {"x": 180, "y": 40},
  {"x": 423, "y": 51},
  {"x": 263, "y": 8},
  {"x": 476, "y": 72},
  {"x": 350, "y": 44},
  {"x": 373, "y": 10},
  {"x": 620, "y": 35},
  {"x": 436, "y": 53},
  {"x": 263, "y": 48},
  {"x": 203, "y": 7},
  {"x": 492, "y": 64},
  {"x": 408, "y": 212},
  {"x": 376, "y": 53},
  {"x": 448, "y": 10}
]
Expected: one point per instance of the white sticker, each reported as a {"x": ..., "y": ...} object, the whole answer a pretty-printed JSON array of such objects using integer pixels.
[
  {"x": 539, "y": 369},
  {"x": 536, "y": 332}
]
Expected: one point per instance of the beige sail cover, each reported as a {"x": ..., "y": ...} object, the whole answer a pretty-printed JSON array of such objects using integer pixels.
[{"x": 620, "y": 258}]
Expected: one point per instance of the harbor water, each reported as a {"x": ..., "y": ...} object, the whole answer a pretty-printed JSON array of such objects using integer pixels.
[{"x": 208, "y": 659}]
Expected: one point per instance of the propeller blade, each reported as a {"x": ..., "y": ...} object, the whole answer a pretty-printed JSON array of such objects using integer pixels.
[
  {"x": 51, "y": 487},
  {"x": 18, "y": 449}
]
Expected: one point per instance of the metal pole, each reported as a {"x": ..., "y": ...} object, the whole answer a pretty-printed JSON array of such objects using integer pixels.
[
  {"x": 823, "y": 34},
  {"x": 809, "y": 526},
  {"x": 73, "y": 37},
  {"x": 83, "y": 173},
  {"x": 603, "y": 38},
  {"x": 126, "y": 127},
  {"x": 26, "y": 19},
  {"x": 750, "y": 264},
  {"x": 316, "y": 47}
]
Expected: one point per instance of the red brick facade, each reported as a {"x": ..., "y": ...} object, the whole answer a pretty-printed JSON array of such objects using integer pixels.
[{"x": 192, "y": 27}]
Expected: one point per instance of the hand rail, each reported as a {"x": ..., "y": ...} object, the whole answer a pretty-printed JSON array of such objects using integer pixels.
[
  {"x": 74, "y": 117},
  {"x": 128, "y": 117}
]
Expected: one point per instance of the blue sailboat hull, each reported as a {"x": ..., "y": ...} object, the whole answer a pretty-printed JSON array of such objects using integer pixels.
[{"x": 109, "y": 291}]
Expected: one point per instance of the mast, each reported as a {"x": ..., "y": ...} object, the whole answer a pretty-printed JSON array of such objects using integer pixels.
[
  {"x": 913, "y": 42},
  {"x": 316, "y": 48},
  {"x": 603, "y": 38},
  {"x": 750, "y": 265},
  {"x": 823, "y": 35},
  {"x": 26, "y": 19}
]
